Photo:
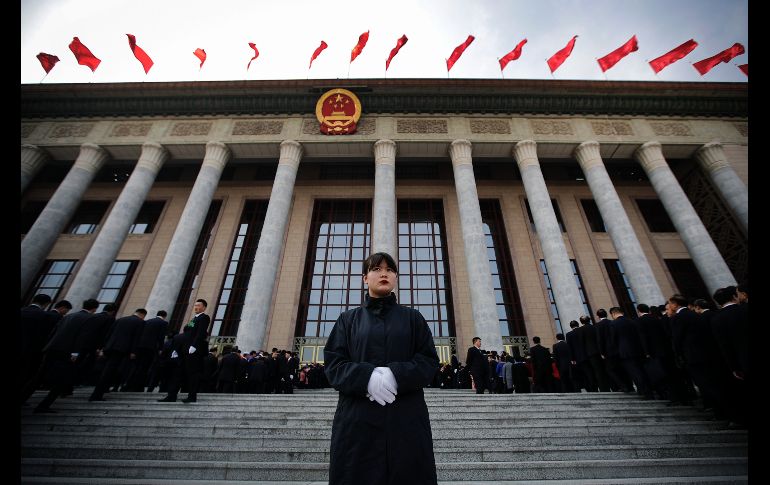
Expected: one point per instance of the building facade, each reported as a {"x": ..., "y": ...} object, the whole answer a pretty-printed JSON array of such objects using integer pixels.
[{"x": 511, "y": 206}]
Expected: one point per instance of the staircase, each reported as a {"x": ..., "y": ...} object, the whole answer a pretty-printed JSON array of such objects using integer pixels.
[{"x": 244, "y": 439}]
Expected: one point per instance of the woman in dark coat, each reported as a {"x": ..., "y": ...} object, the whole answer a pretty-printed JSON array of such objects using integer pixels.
[{"x": 379, "y": 356}]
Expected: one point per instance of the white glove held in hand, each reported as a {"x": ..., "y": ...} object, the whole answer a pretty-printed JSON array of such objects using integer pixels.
[
  {"x": 388, "y": 379},
  {"x": 377, "y": 391},
  {"x": 192, "y": 350}
]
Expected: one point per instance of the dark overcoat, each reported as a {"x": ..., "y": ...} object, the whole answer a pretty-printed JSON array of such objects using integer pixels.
[{"x": 373, "y": 444}]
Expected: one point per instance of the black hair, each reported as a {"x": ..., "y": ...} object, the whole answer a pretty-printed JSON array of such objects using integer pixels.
[
  {"x": 536, "y": 340},
  {"x": 642, "y": 307},
  {"x": 201, "y": 300},
  {"x": 90, "y": 304},
  {"x": 617, "y": 309},
  {"x": 63, "y": 303},
  {"x": 161, "y": 313},
  {"x": 376, "y": 259},
  {"x": 679, "y": 300},
  {"x": 559, "y": 336},
  {"x": 41, "y": 299},
  {"x": 723, "y": 295},
  {"x": 601, "y": 313}
]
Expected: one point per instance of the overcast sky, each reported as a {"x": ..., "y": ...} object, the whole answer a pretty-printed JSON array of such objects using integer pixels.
[{"x": 287, "y": 32}]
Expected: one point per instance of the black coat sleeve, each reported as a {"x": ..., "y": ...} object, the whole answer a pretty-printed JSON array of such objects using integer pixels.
[
  {"x": 420, "y": 370},
  {"x": 344, "y": 375}
]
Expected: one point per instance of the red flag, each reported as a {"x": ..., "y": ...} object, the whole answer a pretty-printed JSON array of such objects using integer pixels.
[
  {"x": 140, "y": 54},
  {"x": 458, "y": 52},
  {"x": 512, "y": 56},
  {"x": 557, "y": 59},
  {"x": 362, "y": 39},
  {"x": 743, "y": 67},
  {"x": 321, "y": 47},
  {"x": 613, "y": 57},
  {"x": 399, "y": 44},
  {"x": 256, "y": 54},
  {"x": 49, "y": 60},
  {"x": 83, "y": 55},
  {"x": 200, "y": 54},
  {"x": 672, "y": 56},
  {"x": 726, "y": 55}
]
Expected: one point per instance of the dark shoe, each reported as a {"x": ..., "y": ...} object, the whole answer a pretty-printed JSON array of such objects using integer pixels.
[
  {"x": 44, "y": 410},
  {"x": 188, "y": 400},
  {"x": 166, "y": 399}
]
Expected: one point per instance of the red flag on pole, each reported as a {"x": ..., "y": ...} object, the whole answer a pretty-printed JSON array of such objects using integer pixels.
[
  {"x": 49, "y": 60},
  {"x": 512, "y": 56},
  {"x": 83, "y": 55},
  {"x": 139, "y": 53},
  {"x": 200, "y": 54},
  {"x": 726, "y": 55},
  {"x": 745, "y": 69},
  {"x": 321, "y": 47},
  {"x": 557, "y": 59},
  {"x": 458, "y": 52},
  {"x": 672, "y": 56},
  {"x": 256, "y": 54},
  {"x": 399, "y": 44},
  {"x": 362, "y": 39},
  {"x": 613, "y": 57}
]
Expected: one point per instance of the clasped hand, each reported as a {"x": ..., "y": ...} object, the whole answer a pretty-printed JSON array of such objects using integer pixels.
[{"x": 382, "y": 386}]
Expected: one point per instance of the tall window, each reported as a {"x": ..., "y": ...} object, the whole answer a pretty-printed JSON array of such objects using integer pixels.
[
  {"x": 578, "y": 281},
  {"x": 233, "y": 293},
  {"x": 509, "y": 312},
  {"x": 51, "y": 279},
  {"x": 422, "y": 267},
  {"x": 147, "y": 217},
  {"x": 623, "y": 292},
  {"x": 687, "y": 278},
  {"x": 555, "y": 210},
  {"x": 655, "y": 215},
  {"x": 115, "y": 285},
  {"x": 87, "y": 217},
  {"x": 190, "y": 282},
  {"x": 333, "y": 281},
  {"x": 594, "y": 217}
]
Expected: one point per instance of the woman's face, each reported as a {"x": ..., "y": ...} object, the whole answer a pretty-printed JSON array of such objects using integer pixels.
[{"x": 381, "y": 280}]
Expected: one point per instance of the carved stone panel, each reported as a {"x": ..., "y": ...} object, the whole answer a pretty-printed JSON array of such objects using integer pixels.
[
  {"x": 743, "y": 128},
  {"x": 551, "y": 127},
  {"x": 420, "y": 126},
  {"x": 27, "y": 129},
  {"x": 258, "y": 127},
  {"x": 670, "y": 128},
  {"x": 492, "y": 127},
  {"x": 611, "y": 128},
  {"x": 365, "y": 126},
  {"x": 310, "y": 127},
  {"x": 67, "y": 130},
  {"x": 131, "y": 129},
  {"x": 191, "y": 129}
]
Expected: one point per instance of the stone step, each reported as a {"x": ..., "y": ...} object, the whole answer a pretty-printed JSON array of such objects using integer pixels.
[
  {"x": 540, "y": 470},
  {"x": 305, "y": 454}
]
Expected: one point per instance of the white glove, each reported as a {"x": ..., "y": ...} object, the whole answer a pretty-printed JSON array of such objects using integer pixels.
[
  {"x": 388, "y": 379},
  {"x": 192, "y": 350},
  {"x": 377, "y": 391},
  {"x": 174, "y": 355}
]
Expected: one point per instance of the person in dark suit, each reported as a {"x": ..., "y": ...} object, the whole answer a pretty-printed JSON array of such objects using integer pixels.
[
  {"x": 563, "y": 357},
  {"x": 92, "y": 338},
  {"x": 120, "y": 345},
  {"x": 630, "y": 351},
  {"x": 579, "y": 381},
  {"x": 176, "y": 367},
  {"x": 608, "y": 348},
  {"x": 148, "y": 348},
  {"x": 594, "y": 363},
  {"x": 199, "y": 327},
  {"x": 60, "y": 354},
  {"x": 35, "y": 326},
  {"x": 476, "y": 362},
  {"x": 731, "y": 328},
  {"x": 228, "y": 370},
  {"x": 541, "y": 364},
  {"x": 658, "y": 354},
  {"x": 680, "y": 317},
  {"x": 210, "y": 366}
]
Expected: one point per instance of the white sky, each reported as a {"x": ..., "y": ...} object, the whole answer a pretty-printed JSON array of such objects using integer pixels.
[{"x": 287, "y": 32}]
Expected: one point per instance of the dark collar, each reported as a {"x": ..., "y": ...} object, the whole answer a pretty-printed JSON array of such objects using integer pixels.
[{"x": 379, "y": 305}]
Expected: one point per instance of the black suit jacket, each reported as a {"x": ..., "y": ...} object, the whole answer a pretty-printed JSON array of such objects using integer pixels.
[
  {"x": 476, "y": 361},
  {"x": 199, "y": 326},
  {"x": 35, "y": 328},
  {"x": 153, "y": 333},
  {"x": 575, "y": 345},
  {"x": 606, "y": 337},
  {"x": 124, "y": 334},
  {"x": 541, "y": 357},
  {"x": 66, "y": 333},
  {"x": 731, "y": 327},
  {"x": 562, "y": 354},
  {"x": 629, "y": 343},
  {"x": 680, "y": 327},
  {"x": 587, "y": 338},
  {"x": 94, "y": 332},
  {"x": 655, "y": 341}
]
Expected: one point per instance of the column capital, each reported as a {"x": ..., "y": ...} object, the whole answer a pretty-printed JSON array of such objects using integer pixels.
[
  {"x": 217, "y": 154},
  {"x": 385, "y": 152},
  {"x": 650, "y": 156},
  {"x": 587, "y": 154},
  {"x": 460, "y": 152},
  {"x": 32, "y": 157},
  {"x": 91, "y": 157},
  {"x": 711, "y": 156},
  {"x": 153, "y": 156},
  {"x": 291, "y": 153},
  {"x": 525, "y": 153}
]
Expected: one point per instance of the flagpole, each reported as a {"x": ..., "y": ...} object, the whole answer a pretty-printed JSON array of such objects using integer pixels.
[
  {"x": 349, "y": 63},
  {"x": 45, "y": 76}
]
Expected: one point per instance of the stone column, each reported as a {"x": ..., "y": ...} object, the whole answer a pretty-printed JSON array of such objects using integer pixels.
[
  {"x": 58, "y": 212},
  {"x": 174, "y": 267},
  {"x": 32, "y": 160},
  {"x": 264, "y": 274},
  {"x": 712, "y": 158},
  {"x": 483, "y": 302},
  {"x": 97, "y": 263},
  {"x": 384, "y": 223},
  {"x": 704, "y": 253},
  {"x": 630, "y": 254},
  {"x": 565, "y": 291}
]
